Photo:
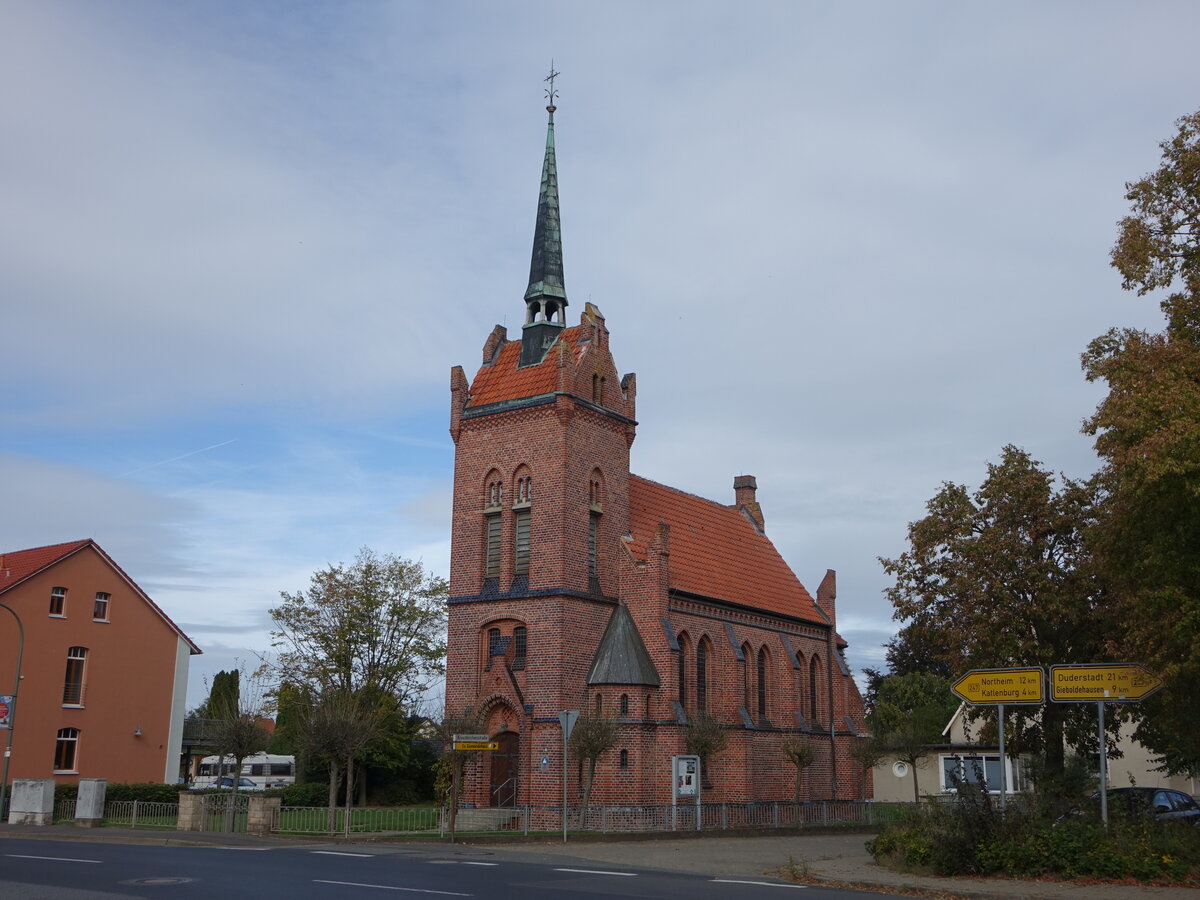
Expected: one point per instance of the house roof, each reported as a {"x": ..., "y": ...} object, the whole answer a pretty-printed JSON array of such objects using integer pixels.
[
  {"x": 505, "y": 380},
  {"x": 19, "y": 566},
  {"x": 716, "y": 552}
]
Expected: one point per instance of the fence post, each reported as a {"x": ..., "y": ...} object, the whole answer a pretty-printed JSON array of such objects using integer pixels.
[
  {"x": 604, "y": 820},
  {"x": 191, "y": 812},
  {"x": 133, "y": 818},
  {"x": 775, "y": 813},
  {"x": 724, "y": 816},
  {"x": 824, "y": 812},
  {"x": 528, "y": 813}
]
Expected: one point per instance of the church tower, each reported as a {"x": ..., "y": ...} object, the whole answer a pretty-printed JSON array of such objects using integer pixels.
[{"x": 541, "y": 484}]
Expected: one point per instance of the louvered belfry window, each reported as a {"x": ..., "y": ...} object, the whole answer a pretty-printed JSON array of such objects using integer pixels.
[
  {"x": 521, "y": 544},
  {"x": 491, "y": 557}
]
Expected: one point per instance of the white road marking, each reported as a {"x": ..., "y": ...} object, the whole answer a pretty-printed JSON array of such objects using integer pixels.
[
  {"x": 53, "y": 858},
  {"x": 467, "y": 862},
  {"x": 759, "y": 883},
  {"x": 597, "y": 872},
  {"x": 391, "y": 887},
  {"x": 340, "y": 853}
]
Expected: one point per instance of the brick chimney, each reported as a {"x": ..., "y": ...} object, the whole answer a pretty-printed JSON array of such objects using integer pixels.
[{"x": 745, "y": 487}]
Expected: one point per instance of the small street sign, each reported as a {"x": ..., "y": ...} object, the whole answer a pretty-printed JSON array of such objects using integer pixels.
[
  {"x": 995, "y": 687},
  {"x": 470, "y": 738},
  {"x": 476, "y": 745},
  {"x": 1126, "y": 683}
]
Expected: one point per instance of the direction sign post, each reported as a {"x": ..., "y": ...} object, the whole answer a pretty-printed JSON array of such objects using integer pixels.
[
  {"x": 1102, "y": 683},
  {"x": 566, "y": 719},
  {"x": 998, "y": 687}
]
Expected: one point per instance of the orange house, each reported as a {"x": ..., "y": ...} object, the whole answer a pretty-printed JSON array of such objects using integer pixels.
[{"x": 104, "y": 671}]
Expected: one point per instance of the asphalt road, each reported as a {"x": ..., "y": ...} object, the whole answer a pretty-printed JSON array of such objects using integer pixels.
[{"x": 55, "y": 870}]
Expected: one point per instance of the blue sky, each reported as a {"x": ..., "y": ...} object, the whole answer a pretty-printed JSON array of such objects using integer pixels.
[{"x": 850, "y": 248}]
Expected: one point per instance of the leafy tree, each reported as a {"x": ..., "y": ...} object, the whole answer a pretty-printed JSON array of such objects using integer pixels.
[
  {"x": 591, "y": 737},
  {"x": 373, "y": 629},
  {"x": 1147, "y": 432},
  {"x": 1004, "y": 574},
  {"x": 222, "y": 694},
  {"x": 235, "y": 726},
  {"x": 705, "y": 737},
  {"x": 801, "y": 754},
  {"x": 375, "y": 625},
  {"x": 909, "y": 715}
]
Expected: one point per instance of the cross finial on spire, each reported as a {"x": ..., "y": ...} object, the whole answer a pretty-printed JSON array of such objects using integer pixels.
[{"x": 551, "y": 93}]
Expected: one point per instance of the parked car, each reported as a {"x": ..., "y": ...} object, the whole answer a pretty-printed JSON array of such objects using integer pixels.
[
  {"x": 1164, "y": 804},
  {"x": 225, "y": 783}
]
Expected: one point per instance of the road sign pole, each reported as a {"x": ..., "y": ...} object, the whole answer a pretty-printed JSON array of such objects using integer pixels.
[
  {"x": 1103, "y": 767},
  {"x": 566, "y": 720},
  {"x": 1003, "y": 759}
]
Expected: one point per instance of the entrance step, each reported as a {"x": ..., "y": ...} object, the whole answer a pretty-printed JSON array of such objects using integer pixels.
[{"x": 488, "y": 819}]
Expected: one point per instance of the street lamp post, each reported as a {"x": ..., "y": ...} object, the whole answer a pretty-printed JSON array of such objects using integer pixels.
[{"x": 12, "y": 711}]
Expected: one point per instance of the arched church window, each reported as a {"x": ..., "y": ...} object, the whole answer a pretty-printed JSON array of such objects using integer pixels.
[
  {"x": 814, "y": 678},
  {"x": 762, "y": 683},
  {"x": 702, "y": 675}
]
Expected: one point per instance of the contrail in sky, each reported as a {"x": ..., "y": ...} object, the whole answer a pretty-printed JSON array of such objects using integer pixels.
[{"x": 163, "y": 462}]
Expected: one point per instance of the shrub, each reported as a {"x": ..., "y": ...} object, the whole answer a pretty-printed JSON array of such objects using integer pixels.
[
  {"x": 147, "y": 792},
  {"x": 310, "y": 793}
]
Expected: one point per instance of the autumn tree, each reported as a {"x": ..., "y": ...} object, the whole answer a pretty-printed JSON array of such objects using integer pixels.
[
  {"x": 1003, "y": 574},
  {"x": 591, "y": 737},
  {"x": 1147, "y": 432},
  {"x": 453, "y": 762},
  {"x": 373, "y": 631},
  {"x": 376, "y": 625},
  {"x": 235, "y": 722},
  {"x": 337, "y": 725}
]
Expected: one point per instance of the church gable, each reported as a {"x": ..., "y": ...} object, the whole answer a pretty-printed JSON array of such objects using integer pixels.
[{"x": 717, "y": 552}]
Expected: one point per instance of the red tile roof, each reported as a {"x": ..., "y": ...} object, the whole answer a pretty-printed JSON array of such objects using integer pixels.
[
  {"x": 715, "y": 552},
  {"x": 503, "y": 380},
  {"x": 20, "y": 565}
]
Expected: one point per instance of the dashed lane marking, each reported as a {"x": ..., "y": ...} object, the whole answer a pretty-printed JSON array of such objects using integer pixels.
[
  {"x": 391, "y": 887},
  {"x": 471, "y": 862},
  {"x": 341, "y": 853},
  {"x": 597, "y": 872},
  {"x": 52, "y": 858},
  {"x": 759, "y": 883}
]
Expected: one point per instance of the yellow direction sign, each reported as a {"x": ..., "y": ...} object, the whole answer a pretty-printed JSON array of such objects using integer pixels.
[
  {"x": 1126, "y": 683},
  {"x": 991, "y": 687},
  {"x": 476, "y": 745}
]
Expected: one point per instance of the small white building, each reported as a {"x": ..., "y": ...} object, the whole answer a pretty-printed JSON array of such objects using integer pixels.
[{"x": 962, "y": 754}]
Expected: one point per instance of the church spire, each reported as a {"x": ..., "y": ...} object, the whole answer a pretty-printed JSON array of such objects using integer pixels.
[{"x": 546, "y": 296}]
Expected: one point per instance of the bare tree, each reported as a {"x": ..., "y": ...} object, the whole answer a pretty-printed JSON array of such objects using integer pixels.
[
  {"x": 450, "y": 767},
  {"x": 236, "y": 730},
  {"x": 338, "y": 725},
  {"x": 800, "y": 753},
  {"x": 591, "y": 736},
  {"x": 704, "y": 736}
]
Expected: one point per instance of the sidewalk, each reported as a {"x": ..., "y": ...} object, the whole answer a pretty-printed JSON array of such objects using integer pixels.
[{"x": 834, "y": 859}]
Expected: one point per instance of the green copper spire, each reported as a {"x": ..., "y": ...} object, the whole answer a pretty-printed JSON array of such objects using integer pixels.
[{"x": 546, "y": 296}]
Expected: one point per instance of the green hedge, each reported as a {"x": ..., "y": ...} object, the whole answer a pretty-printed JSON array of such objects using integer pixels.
[{"x": 145, "y": 792}]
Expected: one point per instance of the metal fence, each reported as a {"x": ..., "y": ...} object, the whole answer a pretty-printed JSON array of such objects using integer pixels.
[
  {"x": 128, "y": 813},
  {"x": 604, "y": 819}
]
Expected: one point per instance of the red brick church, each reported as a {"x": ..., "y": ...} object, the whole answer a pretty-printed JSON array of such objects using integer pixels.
[{"x": 576, "y": 584}]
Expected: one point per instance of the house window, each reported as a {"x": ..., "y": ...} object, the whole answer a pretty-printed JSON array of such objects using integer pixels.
[
  {"x": 762, "y": 683},
  {"x": 624, "y": 704},
  {"x": 519, "y": 644},
  {"x": 73, "y": 691},
  {"x": 702, "y": 676},
  {"x": 624, "y": 760},
  {"x": 65, "y": 749},
  {"x": 58, "y": 601},
  {"x": 972, "y": 770},
  {"x": 100, "y": 607},
  {"x": 491, "y": 553},
  {"x": 521, "y": 546}
]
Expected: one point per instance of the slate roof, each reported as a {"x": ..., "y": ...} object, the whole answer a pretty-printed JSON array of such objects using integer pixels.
[
  {"x": 18, "y": 566},
  {"x": 504, "y": 380},
  {"x": 622, "y": 657},
  {"x": 715, "y": 552}
]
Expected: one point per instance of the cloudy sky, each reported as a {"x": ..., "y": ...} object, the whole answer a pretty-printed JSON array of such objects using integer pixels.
[{"x": 850, "y": 248}]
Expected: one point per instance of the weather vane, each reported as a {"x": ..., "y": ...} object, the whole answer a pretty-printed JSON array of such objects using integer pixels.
[{"x": 551, "y": 93}]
